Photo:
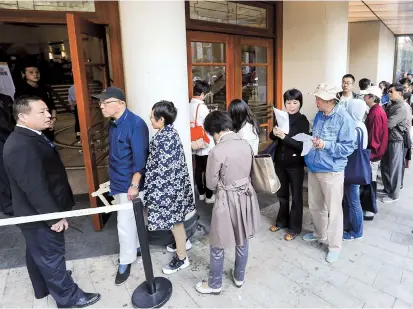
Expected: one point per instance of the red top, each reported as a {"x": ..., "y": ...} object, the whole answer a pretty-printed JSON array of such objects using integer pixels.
[{"x": 377, "y": 128}]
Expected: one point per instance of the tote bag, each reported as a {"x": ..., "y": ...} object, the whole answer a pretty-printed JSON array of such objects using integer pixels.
[
  {"x": 199, "y": 138},
  {"x": 358, "y": 170},
  {"x": 263, "y": 176}
]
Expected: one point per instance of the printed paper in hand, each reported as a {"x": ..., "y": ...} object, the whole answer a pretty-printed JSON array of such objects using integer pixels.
[
  {"x": 307, "y": 142},
  {"x": 282, "y": 120}
]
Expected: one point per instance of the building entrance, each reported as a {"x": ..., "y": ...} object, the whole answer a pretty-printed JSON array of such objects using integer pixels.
[
  {"x": 74, "y": 64},
  {"x": 236, "y": 67}
]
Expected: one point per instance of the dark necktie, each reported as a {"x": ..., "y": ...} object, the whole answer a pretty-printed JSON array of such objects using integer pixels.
[{"x": 48, "y": 141}]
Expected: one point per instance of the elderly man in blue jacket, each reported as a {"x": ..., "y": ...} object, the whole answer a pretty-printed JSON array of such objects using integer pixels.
[{"x": 333, "y": 141}]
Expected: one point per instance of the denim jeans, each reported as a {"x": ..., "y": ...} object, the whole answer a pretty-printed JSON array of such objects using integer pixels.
[{"x": 353, "y": 214}]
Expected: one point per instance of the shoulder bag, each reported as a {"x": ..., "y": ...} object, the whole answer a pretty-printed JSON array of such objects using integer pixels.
[
  {"x": 263, "y": 176},
  {"x": 199, "y": 138},
  {"x": 358, "y": 170}
]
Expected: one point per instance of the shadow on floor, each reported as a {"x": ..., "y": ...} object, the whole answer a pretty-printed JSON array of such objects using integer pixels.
[{"x": 83, "y": 242}]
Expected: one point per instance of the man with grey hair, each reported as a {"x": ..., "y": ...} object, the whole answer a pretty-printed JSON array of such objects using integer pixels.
[{"x": 333, "y": 141}]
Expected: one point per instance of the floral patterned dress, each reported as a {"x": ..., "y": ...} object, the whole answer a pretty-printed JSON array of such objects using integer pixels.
[{"x": 168, "y": 190}]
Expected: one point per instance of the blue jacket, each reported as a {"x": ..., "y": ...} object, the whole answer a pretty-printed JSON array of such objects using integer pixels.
[{"x": 337, "y": 130}]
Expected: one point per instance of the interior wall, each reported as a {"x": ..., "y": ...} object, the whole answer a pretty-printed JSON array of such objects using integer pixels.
[
  {"x": 315, "y": 39},
  {"x": 33, "y": 37},
  {"x": 386, "y": 53}
]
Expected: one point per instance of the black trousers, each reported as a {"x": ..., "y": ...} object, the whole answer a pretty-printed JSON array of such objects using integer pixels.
[
  {"x": 46, "y": 264},
  {"x": 5, "y": 191},
  {"x": 291, "y": 219},
  {"x": 200, "y": 168}
]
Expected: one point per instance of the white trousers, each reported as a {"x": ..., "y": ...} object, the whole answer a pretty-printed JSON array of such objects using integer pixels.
[{"x": 127, "y": 232}]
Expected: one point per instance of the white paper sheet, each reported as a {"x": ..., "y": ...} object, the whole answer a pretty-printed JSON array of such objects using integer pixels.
[
  {"x": 307, "y": 142},
  {"x": 283, "y": 121}
]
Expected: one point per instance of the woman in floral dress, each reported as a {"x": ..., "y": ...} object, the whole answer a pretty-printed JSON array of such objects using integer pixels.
[{"x": 168, "y": 190}]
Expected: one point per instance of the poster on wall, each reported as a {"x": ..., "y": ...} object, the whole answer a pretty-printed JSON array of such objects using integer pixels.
[{"x": 6, "y": 81}]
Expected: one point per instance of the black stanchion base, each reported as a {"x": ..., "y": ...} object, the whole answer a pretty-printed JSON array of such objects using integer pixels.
[{"x": 142, "y": 299}]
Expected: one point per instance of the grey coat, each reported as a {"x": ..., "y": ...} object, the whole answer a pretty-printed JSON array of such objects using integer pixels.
[
  {"x": 236, "y": 214},
  {"x": 397, "y": 117}
]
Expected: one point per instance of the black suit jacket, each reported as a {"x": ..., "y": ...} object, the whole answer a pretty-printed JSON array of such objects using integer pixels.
[{"x": 37, "y": 176}]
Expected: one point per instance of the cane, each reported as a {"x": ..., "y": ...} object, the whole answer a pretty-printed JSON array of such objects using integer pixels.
[{"x": 154, "y": 292}]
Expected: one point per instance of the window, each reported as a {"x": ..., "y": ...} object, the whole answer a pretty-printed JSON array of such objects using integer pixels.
[
  {"x": 404, "y": 56},
  {"x": 228, "y": 12}
]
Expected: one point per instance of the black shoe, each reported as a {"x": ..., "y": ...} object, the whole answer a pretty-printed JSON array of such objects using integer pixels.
[
  {"x": 86, "y": 300},
  {"x": 172, "y": 247},
  {"x": 121, "y": 278}
]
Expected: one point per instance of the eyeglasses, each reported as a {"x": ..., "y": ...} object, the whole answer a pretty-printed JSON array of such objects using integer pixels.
[
  {"x": 347, "y": 83},
  {"x": 105, "y": 103}
]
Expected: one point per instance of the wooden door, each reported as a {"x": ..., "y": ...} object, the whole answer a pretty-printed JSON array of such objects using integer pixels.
[
  {"x": 247, "y": 65},
  {"x": 210, "y": 58},
  {"x": 254, "y": 78},
  {"x": 88, "y": 49}
]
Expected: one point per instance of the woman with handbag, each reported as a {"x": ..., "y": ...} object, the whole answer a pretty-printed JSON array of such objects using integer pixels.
[
  {"x": 236, "y": 213},
  {"x": 201, "y": 142},
  {"x": 168, "y": 191},
  {"x": 352, "y": 211},
  {"x": 289, "y": 166},
  {"x": 245, "y": 123}
]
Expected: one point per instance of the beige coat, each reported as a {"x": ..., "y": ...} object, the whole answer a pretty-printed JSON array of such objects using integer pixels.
[{"x": 236, "y": 214}]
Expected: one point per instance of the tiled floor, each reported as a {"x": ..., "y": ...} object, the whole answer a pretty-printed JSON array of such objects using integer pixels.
[{"x": 376, "y": 271}]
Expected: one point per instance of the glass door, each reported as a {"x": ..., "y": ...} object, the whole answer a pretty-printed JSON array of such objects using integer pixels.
[
  {"x": 88, "y": 48},
  {"x": 210, "y": 59},
  {"x": 254, "y": 78},
  {"x": 236, "y": 67}
]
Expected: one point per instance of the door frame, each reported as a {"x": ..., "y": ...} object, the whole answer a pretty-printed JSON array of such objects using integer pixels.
[{"x": 233, "y": 42}]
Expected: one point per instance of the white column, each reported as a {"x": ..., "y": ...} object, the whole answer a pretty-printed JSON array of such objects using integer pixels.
[
  {"x": 155, "y": 60},
  {"x": 315, "y": 39},
  {"x": 372, "y": 48}
]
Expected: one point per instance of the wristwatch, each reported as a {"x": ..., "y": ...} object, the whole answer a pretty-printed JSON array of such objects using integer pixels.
[{"x": 135, "y": 186}]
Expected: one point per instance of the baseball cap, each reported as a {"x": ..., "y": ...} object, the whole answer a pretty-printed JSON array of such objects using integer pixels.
[
  {"x": 110, "y": 92},
  {"x": 375, "y": 90},
  {"x": 326, "y": 92}
]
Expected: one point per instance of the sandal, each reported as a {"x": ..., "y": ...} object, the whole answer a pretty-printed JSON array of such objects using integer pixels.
[
  {"x": 290, "y": 236},
  {"x": 274, "y": 228}
]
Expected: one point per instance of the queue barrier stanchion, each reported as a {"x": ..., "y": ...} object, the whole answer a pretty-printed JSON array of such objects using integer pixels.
[{"x": 155, "y": 291}]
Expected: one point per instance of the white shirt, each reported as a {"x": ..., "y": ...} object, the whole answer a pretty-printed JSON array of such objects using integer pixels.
[
  {"x": 35, "y": 131},
  {"x": 203, "y": 111},
  {"x": 247, "y": 133}
]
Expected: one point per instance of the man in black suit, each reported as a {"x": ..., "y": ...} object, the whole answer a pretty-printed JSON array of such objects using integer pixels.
[
  {"x": 39, "y": 185},
  {"x": 6, "y": 127}
]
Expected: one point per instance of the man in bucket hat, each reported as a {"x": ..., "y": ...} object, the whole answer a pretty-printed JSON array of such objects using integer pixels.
[{"x": 333, "y": 141}]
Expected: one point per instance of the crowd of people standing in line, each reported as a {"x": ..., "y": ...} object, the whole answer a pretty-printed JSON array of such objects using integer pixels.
[{"x": 156, "y": 171}]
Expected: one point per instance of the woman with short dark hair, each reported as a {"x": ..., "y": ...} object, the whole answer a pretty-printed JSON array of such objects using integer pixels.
[
  {"x": 236, "y": 214},
  {"x": 289, "y": 166},
  {"x": 168, "y": 191},
  {"x": 245, "y": 123}
]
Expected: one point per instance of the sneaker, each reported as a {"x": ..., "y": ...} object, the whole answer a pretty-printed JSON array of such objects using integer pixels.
[
  {"x": 237, "y": 283},
  {"x": 203, "y": 288},
  {"x": 381, "y": 192},
  {"x": 332, "y": 256},
  {"x": 368, "y": 215},
  {"x": 175, "y": 265},
  {"x": 310, "y": 237},
  {"x": 388, "y": 200},
  {"x": 202, "y": 197},
  {"x": 210, "y": 200},
  {"x": 172, "y": 247},
  {"x": 348, "y": 237}
]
